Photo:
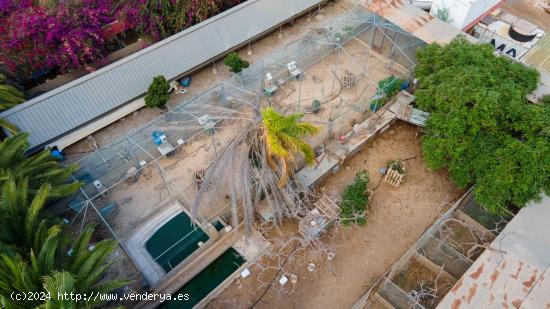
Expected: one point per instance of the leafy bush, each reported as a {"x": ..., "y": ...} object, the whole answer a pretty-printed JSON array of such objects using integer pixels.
[
  {"x": 387, "y": 88},
  {"x": 354, "y": 200},
  {"x": 481, "y": 127},
  {"x": 545, "y": 99},
  {"x": 157, "y": 94},
  {"x": 235, "y": 63},
  {"x": 315, "y": 106},
  {"x": 396, "y": 165},
  {"x": 443, "y": 14},
  {"x": 59, "y": 36}
]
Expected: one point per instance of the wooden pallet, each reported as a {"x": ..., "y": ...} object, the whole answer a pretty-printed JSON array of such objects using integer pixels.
[{"x": 393, "y": 177}]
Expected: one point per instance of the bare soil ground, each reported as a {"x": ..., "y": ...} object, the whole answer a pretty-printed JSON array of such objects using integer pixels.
[
  {"x": 416, "y": 274},
  {"x": 397, "y": 217},
  {"x": 149, "y": 192}
]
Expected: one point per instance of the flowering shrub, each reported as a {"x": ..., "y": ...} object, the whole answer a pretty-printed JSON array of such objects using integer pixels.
[
  {"x": 162, "y": 18},
  {"x": 69, "y": 34}
]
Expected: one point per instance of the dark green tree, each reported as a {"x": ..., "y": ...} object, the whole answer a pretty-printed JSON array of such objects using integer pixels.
[
  {"x": 157, "y": 94},
  {"x": 482, "y": 128},
  {"x": 235, "y": 63}
]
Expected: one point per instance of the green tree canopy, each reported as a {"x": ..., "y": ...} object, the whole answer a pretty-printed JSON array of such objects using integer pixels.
[
  {"x": 481, "y": 128},
  {"x": 157, "y": 94},
  {"x": 235, "y": 63}
]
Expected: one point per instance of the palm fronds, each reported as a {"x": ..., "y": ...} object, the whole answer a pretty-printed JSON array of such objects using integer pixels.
[
  {"x": 38, "y": 170},
  {"x": 10, "y": 96},
  {"x": 283, "y": 138}
]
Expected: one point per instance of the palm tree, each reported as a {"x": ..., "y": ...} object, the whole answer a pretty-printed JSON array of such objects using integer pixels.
[
  {"x": 28, "y": 244},
  {"x": 283, "y": 137},
  {"x": 85, "y": 274},
  {"x": 32, "y": 248},
  {"x": 10, "y": 96},
  {"x": 81, "y": 271},
  {"x": 22, "y": 230},
  {"x": 8, "y": 126},
  {"x": 89, "y": 266},
  {"x": 38, "y": 169}
]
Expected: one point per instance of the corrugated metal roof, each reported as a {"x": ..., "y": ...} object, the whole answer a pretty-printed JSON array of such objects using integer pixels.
[
  {"x": 539, "y": 55},
  {"x": 63, "y": 109},
  {"x": 511, "y": 272}
]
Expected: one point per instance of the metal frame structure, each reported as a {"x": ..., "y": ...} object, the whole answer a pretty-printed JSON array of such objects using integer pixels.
[{"x": 232, "y": 104}]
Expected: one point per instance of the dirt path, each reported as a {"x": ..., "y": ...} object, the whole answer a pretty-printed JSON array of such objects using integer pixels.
[{"x": 397, "y": 218}]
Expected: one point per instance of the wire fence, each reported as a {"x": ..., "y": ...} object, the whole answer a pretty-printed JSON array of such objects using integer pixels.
[
  {"x": 134, "y": 187},
  {"x": 429, "y": 269}
]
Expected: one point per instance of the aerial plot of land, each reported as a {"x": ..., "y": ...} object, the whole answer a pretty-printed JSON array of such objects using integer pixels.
[{"x": 274, "y": 154}]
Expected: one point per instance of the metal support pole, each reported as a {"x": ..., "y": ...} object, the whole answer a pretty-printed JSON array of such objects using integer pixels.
[
  {"x": 390, "y": 56},
  {"x": 300, "y": 93},
  {"x": 161, "y": 172},
  {"x": 335, "y": 69},
  {"x": 224, "y": 99},
  {"x": 399, "y": 49},
  {"x": 214, "y": 143},
  {"x": 83, "y": 218}
]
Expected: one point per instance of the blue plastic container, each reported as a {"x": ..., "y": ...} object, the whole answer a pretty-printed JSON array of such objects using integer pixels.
[
  {"x": 156, "y": 135},
  {"x": 57, "y": 154},
  {"x": 186, "y": 81}
]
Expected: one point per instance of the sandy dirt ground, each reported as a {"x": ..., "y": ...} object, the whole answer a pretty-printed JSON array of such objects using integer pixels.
[
  {"x": 147, "y": 193},
  {"x": 396, "y": 219},
  {"x": 338, "y": 105}
]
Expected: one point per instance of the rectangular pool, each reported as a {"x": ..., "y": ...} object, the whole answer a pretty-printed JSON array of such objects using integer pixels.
[
  {"x": 207, "y": 280},
  {"x": 175, "y": 241}
]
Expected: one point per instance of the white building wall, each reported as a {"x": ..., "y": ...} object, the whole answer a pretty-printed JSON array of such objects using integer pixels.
[
  {"x": 458, "y": 10},
  {"x": 463, "y": 12}
]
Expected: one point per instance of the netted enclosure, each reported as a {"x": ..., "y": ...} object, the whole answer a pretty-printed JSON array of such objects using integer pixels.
[{"x": 168, "y": 189}]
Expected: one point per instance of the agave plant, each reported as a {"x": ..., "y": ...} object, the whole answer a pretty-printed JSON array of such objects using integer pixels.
[{"x": 38, "y": 169}]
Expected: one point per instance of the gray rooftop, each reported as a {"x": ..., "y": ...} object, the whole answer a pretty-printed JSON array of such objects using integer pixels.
[{"x": 64, "y": 109}]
